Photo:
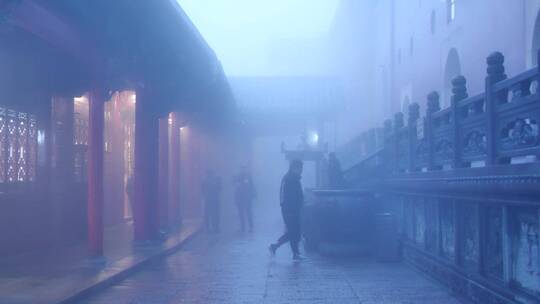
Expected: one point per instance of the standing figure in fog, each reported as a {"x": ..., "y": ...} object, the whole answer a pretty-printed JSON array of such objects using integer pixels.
[
  {"x": 292, "y": 201},
  {"x": 244, "y": 194},
  {"x": 211, "y": 191},
  {"x": 335, "y": 175}
]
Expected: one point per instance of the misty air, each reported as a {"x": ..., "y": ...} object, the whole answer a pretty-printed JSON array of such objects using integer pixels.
[{"x": 269, "y": 151}]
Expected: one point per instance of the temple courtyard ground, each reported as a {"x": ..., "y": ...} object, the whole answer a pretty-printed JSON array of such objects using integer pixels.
[{"x": 237, "y": 268}]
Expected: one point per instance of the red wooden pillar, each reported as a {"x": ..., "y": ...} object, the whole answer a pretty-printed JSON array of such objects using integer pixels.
[
  {"x": 145, "y": 209},
  {"x": 174, "y": 173},
  {"x": 95, "y": 172},
  {"x": 164, "y": 172}
]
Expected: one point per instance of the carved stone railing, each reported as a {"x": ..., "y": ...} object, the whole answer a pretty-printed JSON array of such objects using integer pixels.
[
  {"x": 496, "y": 127},
  {"x": 361, "y": 148},
  {"x": 464, "y": 183},
  {"x": 499, "y": 126}
]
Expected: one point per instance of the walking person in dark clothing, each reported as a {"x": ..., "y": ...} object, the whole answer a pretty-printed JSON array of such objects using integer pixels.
[
  {"x": 292, "y": 201},
  {"x": 211, "y": 191},
  {"x": 244, "y": 195}
]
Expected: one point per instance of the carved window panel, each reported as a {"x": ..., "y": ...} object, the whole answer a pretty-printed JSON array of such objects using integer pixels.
[
  {"x": 409, "y": 220},
  {"x": 493, "y": 262},
  {"x": 431, "y": 226},
  {"x": 22, "y": 146},
  {"x": 474, "y": 143},
  {"x": 32, "y": 148},
  {"x": 81, "y": 130},
  {"x": 519, "y": 134},
  {"x": 448, "y": 229},
  {"x": 108, "y": 136},
  {"x": 444, "y": 150},
  {"x": 18, "y": 146},
  {"x": 80, "y": 148},
  {"x": 471, "y": 236},
  {"x": 3, "y": 145},
  {"x": 419, "y": 222},
  {"x": 525, "y": 248},
  {"x": 533, "y": 88},
  {"x": 80, "y": 138},
  {"x": 12, "y": 146},
  {"x": 129, "y": 148}
]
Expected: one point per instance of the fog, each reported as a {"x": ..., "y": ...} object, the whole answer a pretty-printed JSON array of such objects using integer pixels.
[
  {"x": 276, "y": 55},
  {"x": 180, "y": 143},
  {"x": 256, "y": 37}
]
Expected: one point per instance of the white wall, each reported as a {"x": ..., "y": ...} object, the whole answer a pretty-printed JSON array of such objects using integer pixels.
[{"x": 532, "y": 7}]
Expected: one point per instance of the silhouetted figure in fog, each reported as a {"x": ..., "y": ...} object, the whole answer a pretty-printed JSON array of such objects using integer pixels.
[
  {"x": 292, "y": 201},
  {"x": 335, "y": 175},
  {"x": 244, "y": 194},
  {"x": 211, "y": 191}
]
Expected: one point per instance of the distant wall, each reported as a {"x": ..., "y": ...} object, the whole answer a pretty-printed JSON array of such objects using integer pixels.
[{"x": 390, "y": 50}]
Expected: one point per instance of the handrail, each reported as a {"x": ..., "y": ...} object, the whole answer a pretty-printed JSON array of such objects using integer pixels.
[
  {"x": 472, "y": 131},
  {"x": 471, "y": 100},
  {"x": 467, "y": 191},
  {"x": 365, "y": 159},
  {"x": 509, "y": 82}
]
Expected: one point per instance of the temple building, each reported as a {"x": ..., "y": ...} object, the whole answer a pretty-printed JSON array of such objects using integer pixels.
[{"x": 93, "y": 98}]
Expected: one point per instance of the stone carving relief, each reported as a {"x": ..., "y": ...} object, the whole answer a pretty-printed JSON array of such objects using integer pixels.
[
  {"x": 420, "y": 222},
  {"x": 520, "y": 133},
  {"x": 494, "y": 245},
  {"x": 444, "y": 150},
  {"x": 471, "y": 234},
  {"x": 448, "y": 231},
  {"x": 475, "y": 144},
  {"x": 525, "y": 249},
  {"x": 534, "y": 86},
  {"x": 422, "y": 152}
]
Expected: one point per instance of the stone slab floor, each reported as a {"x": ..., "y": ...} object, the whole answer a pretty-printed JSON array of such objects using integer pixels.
[{"x": 237, "y": 268}]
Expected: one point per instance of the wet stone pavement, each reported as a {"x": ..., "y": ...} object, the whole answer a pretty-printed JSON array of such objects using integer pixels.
[{"x": 237, "y": 268}]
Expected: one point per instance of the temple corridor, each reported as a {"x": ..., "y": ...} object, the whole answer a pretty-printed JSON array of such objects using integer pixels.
[
  {"x": 237, "y": 268},
  {"x": 398, "y": 142}
]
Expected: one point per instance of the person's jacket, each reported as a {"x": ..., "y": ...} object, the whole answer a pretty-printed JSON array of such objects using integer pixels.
[{"x": 291, "y": 194}]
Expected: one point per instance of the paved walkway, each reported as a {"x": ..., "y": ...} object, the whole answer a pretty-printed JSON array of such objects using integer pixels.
[
  {"x": 58, "y": 274},
  {"x": 237, "y": 268}
]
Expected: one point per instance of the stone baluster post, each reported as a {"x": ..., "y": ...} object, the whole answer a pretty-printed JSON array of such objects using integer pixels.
[
  {"x": 495, "y": 73},
  {"x": 388, "y": 145},
  {"x": 433, "y": 106},
  {"x": 399, "y": 123},
  {"x": 459, "y": 93},
  {"x": 414, "y": 115}
]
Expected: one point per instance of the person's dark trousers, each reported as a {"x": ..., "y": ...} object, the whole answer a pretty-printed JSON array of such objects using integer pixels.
[
  {"x": 245, "y": 214},
  {"x": 211, "y": 216},
  {"x": 292, "y": 231}
]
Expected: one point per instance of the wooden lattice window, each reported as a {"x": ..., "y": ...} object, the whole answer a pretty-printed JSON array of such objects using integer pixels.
[
  {"x": 18, "y": 146},
  {"x": 81, "y": 144}
]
